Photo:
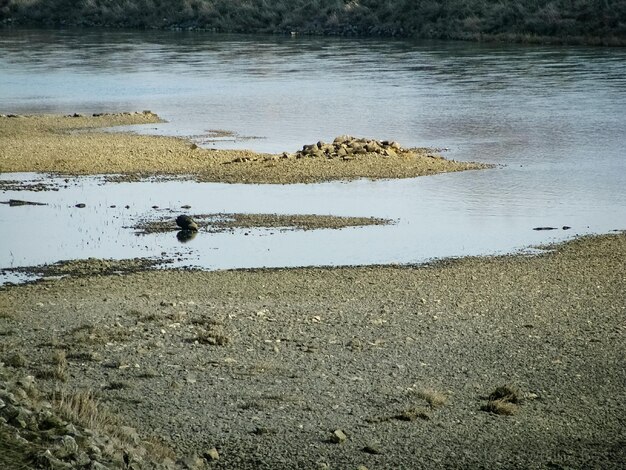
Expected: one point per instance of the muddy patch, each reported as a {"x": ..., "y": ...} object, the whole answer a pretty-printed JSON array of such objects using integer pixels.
[
  {"x": 229, "y": 222},
  {"x": 86, "y": 268}
]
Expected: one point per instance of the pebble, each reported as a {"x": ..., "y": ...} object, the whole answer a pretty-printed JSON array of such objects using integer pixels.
[
  {"x": 69, "y": 445},
  {"x": 212, "y": 454},
  {"x": 372, "y": 449},
  {"x": 193, "y": 462},
  {"x": 339, "y": 436}
]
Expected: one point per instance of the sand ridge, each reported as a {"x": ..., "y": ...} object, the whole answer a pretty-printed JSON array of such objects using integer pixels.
[{"x": 76, "y": 145}]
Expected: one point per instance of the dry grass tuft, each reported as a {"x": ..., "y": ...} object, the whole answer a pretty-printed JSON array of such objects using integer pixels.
[
  {"x": 413, "y": 414},
  {"x": 83, "y": 407},
  {"x": 505, "y": 393},
  {"x": 500, "y": 407},
  {"x": 159, "y": 449},
  {"x": 433, "y": 397},
  {"x": 214, "y": 337},
  {"x": 60, "y": 359},
  {"x": 15, "y": 360},
  {"x": 97, "y": 334},
  {"x": 502, "y": 401},
  {"x": 118, "y": 385}
]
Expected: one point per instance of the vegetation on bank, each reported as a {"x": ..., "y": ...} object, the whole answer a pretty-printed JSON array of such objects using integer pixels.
[{"x": 572, "y": 21}]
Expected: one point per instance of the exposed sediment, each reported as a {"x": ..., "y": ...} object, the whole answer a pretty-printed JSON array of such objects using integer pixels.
[
  {"x": 76, "y": 145},
  {"x": 223, "y": 222}
]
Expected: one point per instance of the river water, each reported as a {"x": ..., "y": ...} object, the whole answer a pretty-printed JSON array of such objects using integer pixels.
[{"x": 550, "y": 118}]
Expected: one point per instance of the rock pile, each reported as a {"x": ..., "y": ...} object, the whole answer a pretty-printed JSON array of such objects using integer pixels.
[
  {"x": 34, "y": 433},
  {"x": 347, "y": 147}
]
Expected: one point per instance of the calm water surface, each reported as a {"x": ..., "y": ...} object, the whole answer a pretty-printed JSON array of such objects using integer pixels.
[{"x": 551, "y": 118}]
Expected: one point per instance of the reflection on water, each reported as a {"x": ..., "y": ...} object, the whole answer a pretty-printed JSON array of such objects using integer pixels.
[
  {"x": 430, "y": 223},
  {"x": 550, "y": 117},
  {"x": 185, "y": 236}
]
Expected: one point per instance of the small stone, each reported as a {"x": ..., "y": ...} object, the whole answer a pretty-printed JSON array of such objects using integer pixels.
[
  {"x": 339, "y": 436},
  {"x": 94, "y": 451},
  {"x": 69, "y": 445},
  {"x": 82, "y": 460},
  {"x": 192, "y": 462},
  {"x": 8, "y": 397},
  {"x": 212, "y": 454},
  {"x": 342, "y": 138},
  {"x": 20, "y": 393},
  {"x": 371, "y": 449},
  {"x": 95, "y": 465},
  {"x": 71, "y": 430},
  {"x": 27, "y": 381},
  {"x": 372, "y": 147},
  {"x": 53, "y": 462},
  {"x": 48, "y": 420}
]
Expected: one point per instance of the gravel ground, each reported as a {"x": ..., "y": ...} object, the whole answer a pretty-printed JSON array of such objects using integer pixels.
[
  {"x": 72, "y": 145},
  {"x": 364, "y": 367}
]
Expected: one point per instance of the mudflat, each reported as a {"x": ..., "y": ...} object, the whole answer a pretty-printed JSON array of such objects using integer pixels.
[
  {"x": 501, "y": 362},
  {"x": 76, "y": 145}
]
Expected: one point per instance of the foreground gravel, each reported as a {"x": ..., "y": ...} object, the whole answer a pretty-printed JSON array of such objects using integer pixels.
[{"x": 375, "y": 367}]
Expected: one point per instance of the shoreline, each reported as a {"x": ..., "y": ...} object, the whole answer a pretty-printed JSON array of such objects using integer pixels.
[{"x": 384, "y": 366}]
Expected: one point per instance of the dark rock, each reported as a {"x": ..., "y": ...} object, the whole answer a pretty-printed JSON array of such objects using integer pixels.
[
  {"x": 566, "y": 227},
  {"x": 371, "y": 449},
  {"x": 186, "y": 223},
  {"x": 81, "y": 205},
  {"x": 18, "y": 202}
]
